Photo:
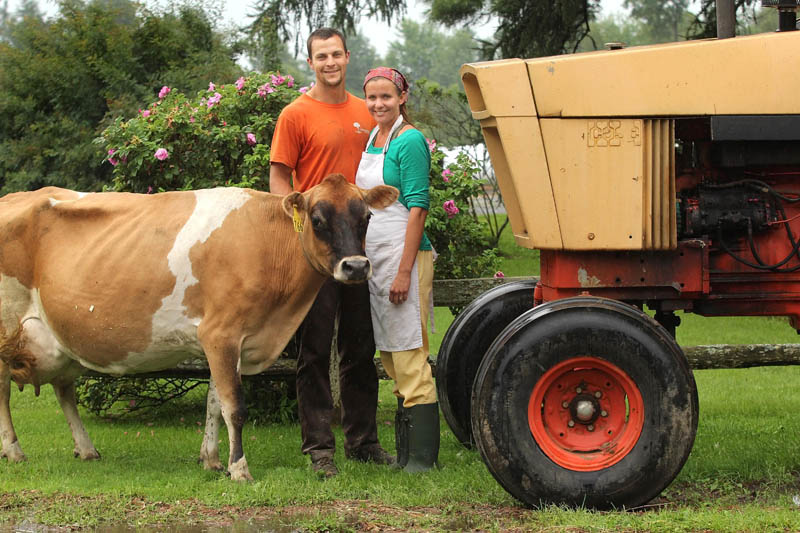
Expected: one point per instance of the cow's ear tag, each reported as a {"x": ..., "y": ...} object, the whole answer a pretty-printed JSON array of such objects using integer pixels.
[{"x": 298, "y": 222}]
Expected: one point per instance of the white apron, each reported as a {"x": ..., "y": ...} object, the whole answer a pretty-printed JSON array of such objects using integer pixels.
[{"x": 397, "y": 327}]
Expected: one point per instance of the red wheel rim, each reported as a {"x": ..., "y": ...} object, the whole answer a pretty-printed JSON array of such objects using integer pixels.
[{"x": 586, "y": 414}]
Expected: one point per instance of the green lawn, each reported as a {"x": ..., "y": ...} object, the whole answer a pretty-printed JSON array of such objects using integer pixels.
[{"x": 742, "y": 474}]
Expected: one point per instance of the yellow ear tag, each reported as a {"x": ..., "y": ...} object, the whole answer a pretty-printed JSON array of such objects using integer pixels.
[{"x": 298, "y": 223}]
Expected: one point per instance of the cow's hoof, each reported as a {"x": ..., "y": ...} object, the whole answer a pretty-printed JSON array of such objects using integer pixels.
[
  {"x": 215, "y": 466},
  {"x": 91, "y": 455},
  {"x": 239, "y": 471},
  {"x": 14, "y": 454}
]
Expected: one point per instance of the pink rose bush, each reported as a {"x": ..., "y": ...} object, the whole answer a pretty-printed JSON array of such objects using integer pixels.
[
  {"x": 459, "y": 236},
  {"x": 220, "y": 136}
]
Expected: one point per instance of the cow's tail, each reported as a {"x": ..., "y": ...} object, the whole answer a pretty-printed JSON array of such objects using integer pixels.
[{"x": 20, "y": 361}]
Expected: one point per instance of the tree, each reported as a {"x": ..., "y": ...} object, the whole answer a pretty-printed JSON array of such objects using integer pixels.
[
  {"x": 363, "y": 57},
  {"x": 293, "y": 18},
  {"x": 424, "y": 51},
  {"x": 526, "y": 28},
  {"x": 704, "y": 25},
  {"x": 64, "y": 79},
  {"x": 662, "y": 17},
  {"x": 615, "y": 28}
]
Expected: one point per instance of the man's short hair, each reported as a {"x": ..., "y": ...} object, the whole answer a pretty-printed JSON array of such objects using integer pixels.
[{"x": 325, "y": 34}]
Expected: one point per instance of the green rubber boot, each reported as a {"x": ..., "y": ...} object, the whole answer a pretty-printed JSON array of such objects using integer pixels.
[
  {"x": 423, "y": 437},
  {"x": 401, "y": 434}
]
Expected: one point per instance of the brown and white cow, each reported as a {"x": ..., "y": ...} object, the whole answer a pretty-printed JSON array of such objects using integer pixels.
[{"x": 126, "y": 283}]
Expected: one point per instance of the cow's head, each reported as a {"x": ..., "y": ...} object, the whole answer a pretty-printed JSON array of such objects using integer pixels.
[{"x": 334, "y": 217}]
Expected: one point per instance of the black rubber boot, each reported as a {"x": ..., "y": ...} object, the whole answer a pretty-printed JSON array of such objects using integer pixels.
[
  {"x": 401, "y": 434},
  {"x": 423, "y": 437}
]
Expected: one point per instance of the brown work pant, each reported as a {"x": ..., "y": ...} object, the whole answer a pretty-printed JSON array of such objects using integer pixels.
[{"x": 358, "y": 378}]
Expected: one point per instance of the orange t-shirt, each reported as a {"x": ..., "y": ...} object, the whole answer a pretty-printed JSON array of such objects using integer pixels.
[{"x": 316, "y": 139}]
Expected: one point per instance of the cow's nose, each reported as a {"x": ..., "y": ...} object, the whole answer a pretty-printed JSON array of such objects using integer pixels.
[{"x": 353, "y": 269}]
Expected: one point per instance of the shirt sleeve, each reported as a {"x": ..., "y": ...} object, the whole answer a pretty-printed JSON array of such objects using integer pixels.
[
  {"x": 415, "y": 169},
  {"x": 286, "y": 140}
]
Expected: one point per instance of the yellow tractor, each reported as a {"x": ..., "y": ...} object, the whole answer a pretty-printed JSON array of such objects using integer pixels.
[{"x": 665, "y": 177}]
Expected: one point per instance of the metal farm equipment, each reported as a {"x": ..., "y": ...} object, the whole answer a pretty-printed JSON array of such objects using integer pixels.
[{"x": 663, "y": 176}]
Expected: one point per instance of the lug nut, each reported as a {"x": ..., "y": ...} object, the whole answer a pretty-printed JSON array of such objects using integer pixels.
[
  {"x": 590, "y": 427},
  {"x": 571, "y": 423},
  {"x": 603, "y": 413},
  {"x": 565, "y": 405},
  {"x": 579, "y": 390},
  {"x": 598, "y": 394}
]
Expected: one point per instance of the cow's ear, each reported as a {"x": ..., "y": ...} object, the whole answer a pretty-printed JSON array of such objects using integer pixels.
[
  {"x": 294, "y": 201},
  {"x": 381, "y": 196}
]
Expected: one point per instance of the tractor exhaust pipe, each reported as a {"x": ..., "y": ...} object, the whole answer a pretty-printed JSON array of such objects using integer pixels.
[{"x": 726, "y": 19}]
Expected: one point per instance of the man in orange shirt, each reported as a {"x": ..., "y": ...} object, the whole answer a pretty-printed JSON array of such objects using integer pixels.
[{"x": 322, "y": 132}]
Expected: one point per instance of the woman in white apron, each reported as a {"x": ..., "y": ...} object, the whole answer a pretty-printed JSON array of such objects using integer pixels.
[{"x": 400, "y": 289}]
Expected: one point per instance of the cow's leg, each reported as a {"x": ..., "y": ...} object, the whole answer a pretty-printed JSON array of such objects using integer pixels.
[
  {"x": 209, "y": 451},
  {"x": 65, "y": 392},
  {"x": 8, "y": 438},
  {"x": 223, "y": 361}
]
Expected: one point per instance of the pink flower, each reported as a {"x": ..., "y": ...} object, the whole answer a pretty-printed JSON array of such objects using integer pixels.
[
  {"x": 149, "y": 191},
  {"x": 145, "y": 113},
  {"x": 289, "y": 81},
  {"x": 499, "y": 274},
  {"x": 214, "y": 100},
  {"x": 251, "y": 139},
  {"x": 211, "y": 87},
  {"x": 264, "y": 90},
  {"x": 111, "y": 159},
  {"x": 303, "y": 89},
  {"x": 446, "y": 173},
  {"x": 431, "y": 144},
  {"x": 161, "y": 154},
  {"x": 191, "y": 119},
  {"x": 277, "y": 80},
  {"x": 163, "y": 92},
  {"x": 450, "y": 208},
  {"x": 240, "y": 83}
]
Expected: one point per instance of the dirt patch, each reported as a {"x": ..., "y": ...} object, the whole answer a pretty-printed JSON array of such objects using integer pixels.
[{"x": 27, "y": 511}]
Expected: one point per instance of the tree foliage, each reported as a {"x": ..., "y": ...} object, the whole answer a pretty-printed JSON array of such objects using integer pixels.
[
  {"x": 66, "y": 78},
  {"x": 705, "y": 24},
  {"x": 662, "y": 17},
  {"x": 293, "y": 18},
  {"x": 526, "y": 28},
  {"x": 424, "y": 51}
]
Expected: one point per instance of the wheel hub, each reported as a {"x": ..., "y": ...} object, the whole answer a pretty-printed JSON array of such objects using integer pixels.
[
  {"x": 584, "y": 409},
  {"x": 586, "y": 413}
]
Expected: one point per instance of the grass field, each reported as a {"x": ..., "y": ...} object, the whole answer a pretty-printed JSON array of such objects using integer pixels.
[{"x": 742, "y": 475}]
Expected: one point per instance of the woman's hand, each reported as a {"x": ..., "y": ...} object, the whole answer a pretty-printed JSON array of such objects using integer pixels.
[{"x": 398, "y": 293}]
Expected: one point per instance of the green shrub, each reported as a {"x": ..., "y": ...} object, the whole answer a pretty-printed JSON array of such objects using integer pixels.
[
  {"x": 459, "y": 237},
  {"x": 221, "y": 137}
]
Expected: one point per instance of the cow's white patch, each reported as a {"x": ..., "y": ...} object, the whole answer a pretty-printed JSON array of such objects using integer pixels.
[
  {"x": 170, "y": 323},
  {"x": 79, "y": 195}
]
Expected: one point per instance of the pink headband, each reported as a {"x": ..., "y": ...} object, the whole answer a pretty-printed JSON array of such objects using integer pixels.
[{"x": 390, "y": 74}]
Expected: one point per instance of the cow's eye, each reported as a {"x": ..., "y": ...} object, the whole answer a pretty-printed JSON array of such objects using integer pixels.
[{"x": 318, "y": 223}]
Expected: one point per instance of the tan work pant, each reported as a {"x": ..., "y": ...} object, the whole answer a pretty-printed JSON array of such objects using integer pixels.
[{"x": 409, "y": 369}]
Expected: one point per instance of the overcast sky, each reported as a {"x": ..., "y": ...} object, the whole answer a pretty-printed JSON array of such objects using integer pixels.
[{"x": 380, "y": 34}]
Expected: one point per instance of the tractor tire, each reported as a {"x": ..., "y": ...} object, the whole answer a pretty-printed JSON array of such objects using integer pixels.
[
  {"x": 584, "y": 402},
  {"x": 466, "y": 342}
]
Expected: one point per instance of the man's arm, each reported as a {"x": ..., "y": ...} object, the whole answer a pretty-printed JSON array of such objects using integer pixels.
[{"x": 280, "y": 178}]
